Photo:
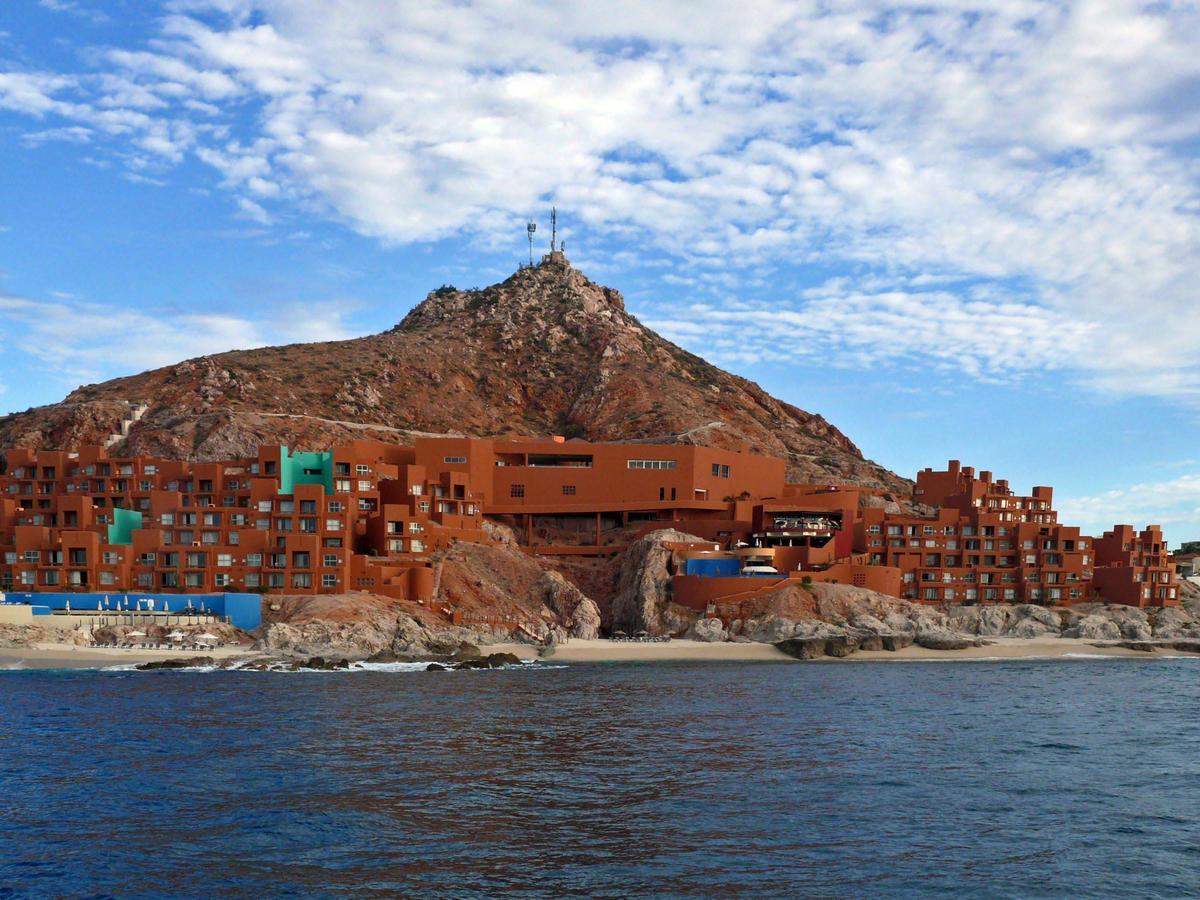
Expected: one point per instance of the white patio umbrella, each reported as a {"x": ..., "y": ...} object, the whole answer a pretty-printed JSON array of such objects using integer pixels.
[
  {"x": 207, "y": 637},
  {"x": 176, "y": 635},
  {"x": 135, "y": 634}
]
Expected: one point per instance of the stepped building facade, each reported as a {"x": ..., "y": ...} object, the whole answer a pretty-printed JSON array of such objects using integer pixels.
[{"x": 373, "y": 516}]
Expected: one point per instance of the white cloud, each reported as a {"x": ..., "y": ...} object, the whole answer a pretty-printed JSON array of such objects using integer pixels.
[
  {"x": 1173, "y": 504},
  {"x": 837, "y": 325},
  {"x": 1015, "y": 183},
  {"x": 251, "y": 211},
  {"x": 87, "y": 342}
]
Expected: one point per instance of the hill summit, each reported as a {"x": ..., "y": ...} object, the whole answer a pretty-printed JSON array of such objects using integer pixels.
[{"x": 547, "y": 351}]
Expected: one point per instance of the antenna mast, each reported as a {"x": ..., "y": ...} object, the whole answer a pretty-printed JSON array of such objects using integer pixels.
[
  {"x": 553, "y": 227},
  {"x": 530, "y": 228}
]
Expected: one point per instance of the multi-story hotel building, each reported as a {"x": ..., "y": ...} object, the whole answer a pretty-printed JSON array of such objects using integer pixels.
[
  {"x": 984, "y": 543},
  {"x": 371, "y": 516}
]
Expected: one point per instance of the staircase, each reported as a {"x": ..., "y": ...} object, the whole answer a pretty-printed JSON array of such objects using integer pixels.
[{"x": 132, "y": 415}]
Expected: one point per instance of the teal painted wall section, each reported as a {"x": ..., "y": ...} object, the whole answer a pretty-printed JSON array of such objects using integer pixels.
[
  {"x": 123, "y": 525},
  {"x": 305, "y": 468}
]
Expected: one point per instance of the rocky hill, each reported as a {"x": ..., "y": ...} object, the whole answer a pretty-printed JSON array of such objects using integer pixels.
[{"x": 545, "y": 352}]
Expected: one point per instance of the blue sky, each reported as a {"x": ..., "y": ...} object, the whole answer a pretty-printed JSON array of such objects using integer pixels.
[{"x": 954, "y": 230}]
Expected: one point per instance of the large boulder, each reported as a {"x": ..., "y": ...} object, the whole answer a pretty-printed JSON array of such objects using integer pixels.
[
  {"x": 769, "y": 629},
  {"x": 803, "y": 648},
  {"x": 1175, "y": 622},
  {"x": 578, "y": 612},
  {"x": 710, "y": 630},
  {"x": 869, "y": 641},
  {"x": 1029, "y": 628},
  {"x": 1133, "y": 622},
  {"x": 942, "y": 640},
  {"x": 1093, "y": 628},
  {"x": 869, "y": 624},
  {"x": 993, "y": 620},
  {"x": 895, "y": 642},
  {"x": 643, "y": 582},
  {"x": 841, "y": 646},
  {"x": 898, "y": 623},
  {"x": 1029, "y": 621}
]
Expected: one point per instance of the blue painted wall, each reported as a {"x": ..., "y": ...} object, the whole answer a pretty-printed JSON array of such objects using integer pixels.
[{"x": 243, "y": 610}]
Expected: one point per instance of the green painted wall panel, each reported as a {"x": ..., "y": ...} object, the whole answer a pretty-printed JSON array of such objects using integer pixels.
[
  {"x": 125, "y": 521},
  {"x": 305, "y": 468}
]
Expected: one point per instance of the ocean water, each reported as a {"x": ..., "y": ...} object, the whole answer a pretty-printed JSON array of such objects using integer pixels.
[{"x": 1004, "y": 779}]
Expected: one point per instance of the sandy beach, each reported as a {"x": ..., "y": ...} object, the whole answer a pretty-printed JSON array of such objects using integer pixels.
[
  {"x": 65, "y": 656},
  {"x": 1002, "y": 649},
  {"x": 68, "y": 656}
]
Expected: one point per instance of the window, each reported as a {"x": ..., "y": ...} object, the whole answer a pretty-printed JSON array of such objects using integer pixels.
[
  {"x": 301, "y": 580},
  {"x": 342, "y": 484},
  {"x": 650, "y": 464},
  {"x": 254, "y": 559},
  {"x": 454, "y": 460},
  {"x": 362, "y": 469},
  {"x": 330, "y": 560},
  {"x": 111, "y": 558},
  {"x": 308, "y": 506},
  {"x": 253, "y": 579},
  {"x": 222, "y": 579},
  {"x": 417, "y": 546},
  {"x": 568, "y": 490},
  {"x": 516, "y": 490},
  {"x": 225, "y": 559},
  {"x": 329, "y": 580},
  {"x": 32, "y": 556},
  {"x": 364, "y": 485},
  {"x": 333, "y": 524},
  {"x": 336, "y": 506}
]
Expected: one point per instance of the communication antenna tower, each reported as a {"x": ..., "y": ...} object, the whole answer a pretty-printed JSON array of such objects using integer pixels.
[
  {"x": 553, "y": 227},
  {"x": 530, "y": 228}
]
